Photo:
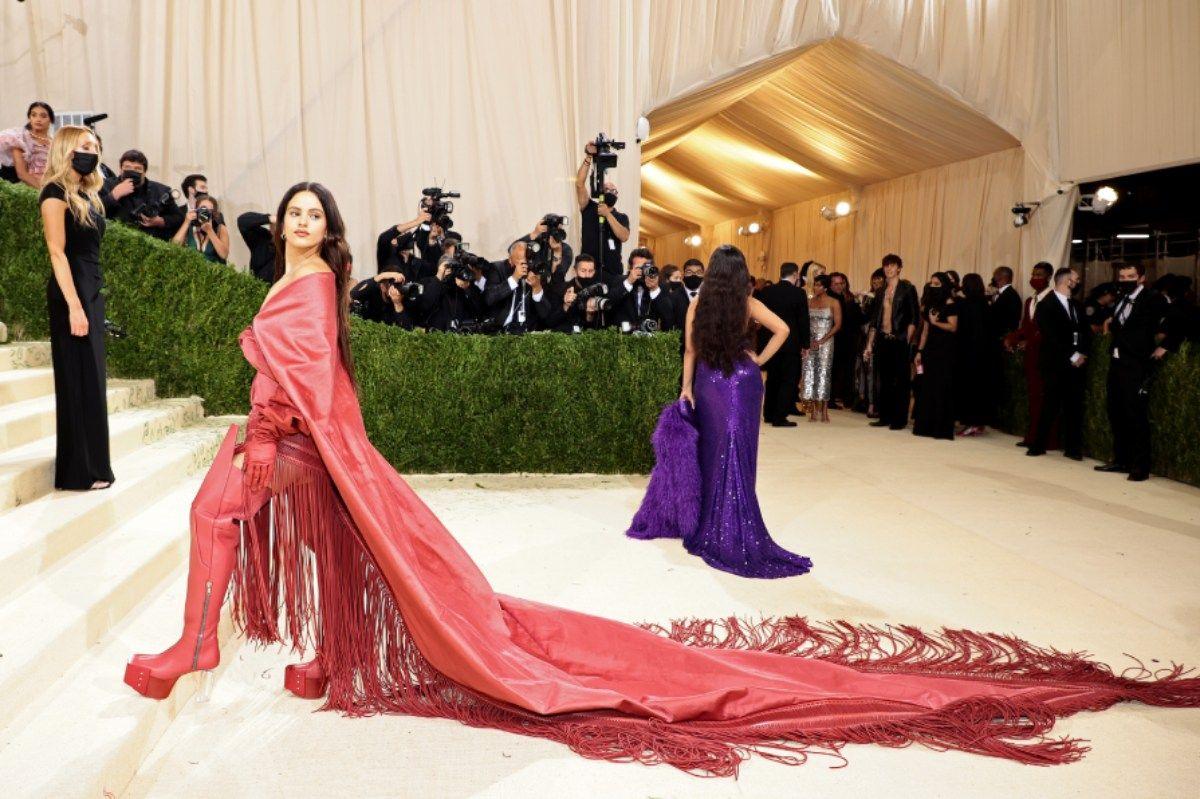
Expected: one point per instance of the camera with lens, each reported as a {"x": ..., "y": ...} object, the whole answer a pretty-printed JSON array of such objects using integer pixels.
[
  {"x": 649, "y": 270},
  {"x": 439, "y": 208},
  {"x": 605, "y": 158},
  {"x": 460, "y": 270},
  {"x": 203, "y": 214},
  {"x": 152, "y": 206},
  {"x": 555, "y": 227}
]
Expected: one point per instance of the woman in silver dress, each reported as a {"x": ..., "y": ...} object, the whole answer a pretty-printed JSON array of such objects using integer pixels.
[{"x": 825, "y": 319}]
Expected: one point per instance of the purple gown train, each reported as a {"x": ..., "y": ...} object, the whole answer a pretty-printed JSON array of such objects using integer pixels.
[{"x": 702, "y": 487}]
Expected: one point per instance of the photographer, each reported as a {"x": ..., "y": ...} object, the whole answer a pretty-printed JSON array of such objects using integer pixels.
[
  {"x": 603, "y": 228},
  {"x": 547, "y": 247},
  {"x": 583, "y": 303},
  {"x": 258, "y": 231},
  {"x": 452, "y": 302},
  {"x": 192, "y": 187},
  {"x": 515, "y": 297},
  {"x": 643, "y": 304},
  {"x": 204, "y": 230},
  {"x": 370, "y": 299},
  {"x": 136, "y": 200}
]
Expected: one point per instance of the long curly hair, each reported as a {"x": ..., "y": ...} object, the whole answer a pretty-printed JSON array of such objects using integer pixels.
[
  {"x": 334, "y": 251},
  {"x": 721, "y": 326}
]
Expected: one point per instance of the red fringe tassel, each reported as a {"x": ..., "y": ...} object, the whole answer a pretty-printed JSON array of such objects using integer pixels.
[{"x": 304, "y": 552}]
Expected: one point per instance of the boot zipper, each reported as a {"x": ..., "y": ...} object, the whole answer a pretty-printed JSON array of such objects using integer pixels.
[{"x": 203, "y": 621}]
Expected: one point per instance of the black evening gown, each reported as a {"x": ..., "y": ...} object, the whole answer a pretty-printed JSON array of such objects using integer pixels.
[
  {"x": 80, "y": 393},
  {"x": 934, "y": 412},
  {"x": 973, "y": 400}
]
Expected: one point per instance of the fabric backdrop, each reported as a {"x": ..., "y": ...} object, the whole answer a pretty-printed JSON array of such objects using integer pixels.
[{"x": 380, "y": 98}]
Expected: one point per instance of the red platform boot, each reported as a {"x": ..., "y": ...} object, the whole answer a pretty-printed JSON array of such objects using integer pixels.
[
  {"x": 306, "y": 680},
  {"x": 215, "y": 537}
]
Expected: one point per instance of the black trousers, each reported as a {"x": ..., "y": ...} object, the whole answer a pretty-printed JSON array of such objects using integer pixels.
[
  {"x": 1129, "y": 413},
  {"x": 1062, "y": 402},
  {"x": 783, "y": 374},
  {"x": 895, "y": 381}
]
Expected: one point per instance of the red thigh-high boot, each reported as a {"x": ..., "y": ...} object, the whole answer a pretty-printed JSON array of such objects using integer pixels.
[{"x": 215, "y": 534}]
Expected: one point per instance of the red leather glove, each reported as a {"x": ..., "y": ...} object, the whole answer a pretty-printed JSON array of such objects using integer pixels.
[{"x": 259, "y": 449}]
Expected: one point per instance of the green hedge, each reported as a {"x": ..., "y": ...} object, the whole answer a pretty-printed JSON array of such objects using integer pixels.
[{"x": 432, "y": 402}]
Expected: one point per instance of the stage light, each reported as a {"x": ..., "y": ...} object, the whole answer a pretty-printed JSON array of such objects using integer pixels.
[
  {"x": 693, "y": 240},
  {"x": 1104, "y": 199},
  {"x": 842, "y": 208},
  {"x": 754, "y": 228},
  {"x": 1098, "y": 203},
  {"x": 1020, "y": 215},
  {"x": 1133, "y": 235}
]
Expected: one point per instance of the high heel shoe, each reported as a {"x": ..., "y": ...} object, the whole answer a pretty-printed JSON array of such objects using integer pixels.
[
  {"x": 306, "y": 680},
  {"x": 215, "y": 536}
]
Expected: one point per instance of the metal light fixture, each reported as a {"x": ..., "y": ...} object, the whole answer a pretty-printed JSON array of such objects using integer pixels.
[
  {"x": 754, "y": 228},
  {"x": 842, "y": 208},
  {"x": 1098, "y": 203},
  {"x": 1022, "y": 211}
]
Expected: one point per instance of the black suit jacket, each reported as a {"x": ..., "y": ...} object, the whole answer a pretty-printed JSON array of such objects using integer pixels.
[
  {"x": 906, "y": 309},
  {"x": 1004, "y": 314},
  {"x": 790, "y": 304},
  {"x": 1134, "y": 338},
  {"x": 1060, "y": 336},
  {"x": 498, "y": 297}
]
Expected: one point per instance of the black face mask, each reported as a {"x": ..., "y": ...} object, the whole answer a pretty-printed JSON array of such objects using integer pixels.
[
  {"x": 672, "y": 286},
  {"x": 85, "y": 163},
  {"x": 610, "y": 199},
  {"x": 134, "y": 175},
  {"x": 1126, "y": 287},
  {"x": 692, "y": 281},
  {"x": 584, "y": 282}
]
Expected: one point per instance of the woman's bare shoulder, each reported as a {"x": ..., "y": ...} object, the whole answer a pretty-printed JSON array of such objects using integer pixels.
[{"x": 317, "y": 267}]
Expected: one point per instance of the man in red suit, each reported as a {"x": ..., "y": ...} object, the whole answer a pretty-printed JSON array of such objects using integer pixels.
[{"x": 1027, "y": 338}]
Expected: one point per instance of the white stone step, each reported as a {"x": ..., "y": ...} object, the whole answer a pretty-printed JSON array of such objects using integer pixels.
[
  {"x": 31, "y": 419},
  {"x": 23, "y": 384},
  {"x": 27, "y": 471},
  {"x": 51, "y": 625},
  {"x": 24, "y": 355},
  {"x": 38, "y": 535},
  {"x": 88, "y": 734},
  {"x": 3, "y": 332}
]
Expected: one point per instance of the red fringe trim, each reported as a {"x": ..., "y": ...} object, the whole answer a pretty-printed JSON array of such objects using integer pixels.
[{"x": 303, "y": 558}]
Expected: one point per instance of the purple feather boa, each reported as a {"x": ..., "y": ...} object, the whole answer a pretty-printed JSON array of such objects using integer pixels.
[{"x": 671, "y": 507}]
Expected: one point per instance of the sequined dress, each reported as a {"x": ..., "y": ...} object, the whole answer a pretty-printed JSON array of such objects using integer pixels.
[
  {"x": 732, "y": 535},
  {"x": 818, "y": 364}
]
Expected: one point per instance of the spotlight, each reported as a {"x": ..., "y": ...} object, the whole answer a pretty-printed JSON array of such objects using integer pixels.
[
  {"x": 693, "y": 240},
  {"x": 754, "y": 228},
  {"x": 828, "y": 214},
  {"x": 842, "y": 208},
  {"x": 1098, "y": 203},
  {"x": 1021, "y": 213}
]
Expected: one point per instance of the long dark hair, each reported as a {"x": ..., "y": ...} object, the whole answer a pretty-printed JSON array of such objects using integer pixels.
[
  {"x": 42, "y": 105},
  {"x": 334, "y": 252},
  {"x": 722, "y": 318}
]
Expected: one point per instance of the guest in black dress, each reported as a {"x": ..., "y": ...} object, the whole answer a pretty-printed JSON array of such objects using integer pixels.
[
  {"x": 73, "y": 222},
  {"x": 933, "y": 415},
  {"x": 973, "y": 403}
]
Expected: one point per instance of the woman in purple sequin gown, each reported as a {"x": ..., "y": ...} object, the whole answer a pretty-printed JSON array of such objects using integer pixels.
[{"x": 702, "y": 487}]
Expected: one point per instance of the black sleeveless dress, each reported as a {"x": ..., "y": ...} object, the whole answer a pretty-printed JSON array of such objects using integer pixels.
[{"x": 80, "y": 390}]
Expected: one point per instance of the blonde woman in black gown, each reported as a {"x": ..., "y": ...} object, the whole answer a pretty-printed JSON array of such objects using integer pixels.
[{"x": 73, "y": 224}]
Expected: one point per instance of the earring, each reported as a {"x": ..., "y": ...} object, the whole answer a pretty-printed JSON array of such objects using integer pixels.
[{"x": 283, "y": 236}]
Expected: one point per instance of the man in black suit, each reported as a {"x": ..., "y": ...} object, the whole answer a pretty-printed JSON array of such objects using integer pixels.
[
  {"x": 1065, "y": 339},
  {"x": 889, "y": 342},
  {"x": 639, "y": 297},
  {"x": 788, "y": 302},
  {"x": 1136, "y": 352},
  {"x": 1003, "y": 318},
  {"x": 515, "y": 298}
]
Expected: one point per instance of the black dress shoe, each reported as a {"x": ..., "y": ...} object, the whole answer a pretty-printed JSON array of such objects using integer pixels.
[
  {"x": 795, "y": 412},
  {"x": 898, "y": 427},
  {"x": 1024, "y": 444},
  {"x": 1033, "y": 452},
  {"x": 1112, "y": 467},
  {"x": 1075, "y": 456},
  {"x": 784, "y": 423},
  {"x": 1137, "y": 477},
  {"x": 879, "y": 423}
]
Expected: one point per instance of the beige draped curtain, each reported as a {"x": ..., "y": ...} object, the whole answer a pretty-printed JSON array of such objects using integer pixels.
[{"x": 379, "y": 99}]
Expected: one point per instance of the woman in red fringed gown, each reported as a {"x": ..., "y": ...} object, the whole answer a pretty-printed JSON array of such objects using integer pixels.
[{"x": 402, "y": 621}]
